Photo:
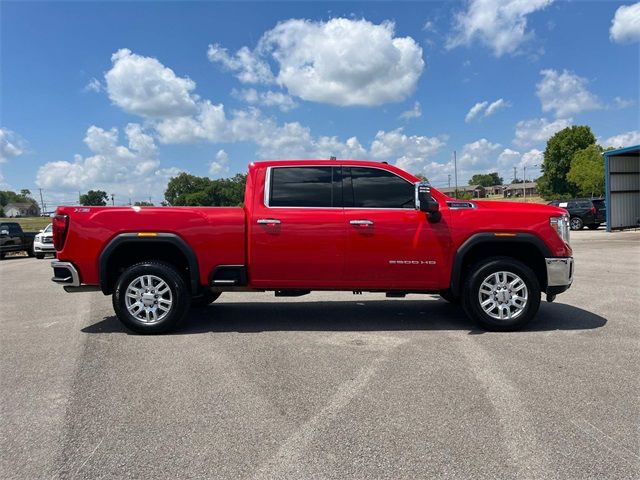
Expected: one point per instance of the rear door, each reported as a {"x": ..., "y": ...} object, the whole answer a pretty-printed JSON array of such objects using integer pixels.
[
  {"x": 390, "y": 244},
  {"x": 297, "y": 232}
]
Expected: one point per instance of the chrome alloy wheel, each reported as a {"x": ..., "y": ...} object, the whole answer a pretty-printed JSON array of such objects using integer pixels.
[
  {"x": 503, "y": 295},
  {"x": 148, "y": 298}
]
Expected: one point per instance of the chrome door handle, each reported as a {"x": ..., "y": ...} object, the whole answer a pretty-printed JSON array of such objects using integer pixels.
[
  {"x": 361, "y": 223},
  {"x": 268, "y": 221}
]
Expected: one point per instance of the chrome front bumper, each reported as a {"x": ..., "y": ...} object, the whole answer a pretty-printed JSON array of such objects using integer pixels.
[
  {"x": 65, "y": 274},
  {"x": 559, "y": 272}
]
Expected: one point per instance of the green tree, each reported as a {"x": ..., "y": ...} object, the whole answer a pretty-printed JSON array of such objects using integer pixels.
[
  {"x": 190, "y": 190},
  {"x": 557, "y": 160},
  {"x": 7, "y": 196},
  {"x": 96, "y": 198},
  {"x": 184, "y": 184},
  {"x": 486, "y": 179},
  {"x": 143, "y": 204},
  {"x": 587, "y": 171},
  {"x": 421, "y": 177}
]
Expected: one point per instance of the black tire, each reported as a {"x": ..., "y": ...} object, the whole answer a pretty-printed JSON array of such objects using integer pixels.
[
  {"x": 594, "y": 226},
  {"x": 180, "y": 297},
  {"x": 31, "y": 253},
  {"x": 207, "y": 298},
  {"x": 480, "y": 272},
  {"x": 39, "y": 256},
  {"x": 450, "y": 297},
  {"x": 2, "y": 256},
  {"x": 576, "y": 223}
]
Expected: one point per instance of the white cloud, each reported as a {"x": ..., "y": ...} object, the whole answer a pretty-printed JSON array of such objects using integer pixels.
[
  {"x": 486, "y": 107},
  {"x": 537, "y": 131},
  {"x": 144, "y": 86},
  {"x": 475, "y": 111},
  {"x": 128, "y": 171},
  {"x": 565, "y": 93},
  {"x": 625, "y": 26},
  {"x": 410, "y": 152},
  {"x": 247, "y": 64},
  {"x": 94, "y": 85},
  {"x": 220, "y": 166},
  {"x": 11, "y": 145},
  {"x": 621, "y": 103},
  {"x": 499, "y": 24},
  {"x": 265, "y": 99},
  {"x": 210, "y": 124},
  {"x": 626, "y": 139},
  {"x": 509, "y": 158},
  {"x": 478, "y": 155},
  {"x": 415, "y": 112},
  {"x": 341, "y": 62},
  {"x": 495, "y": 106}
]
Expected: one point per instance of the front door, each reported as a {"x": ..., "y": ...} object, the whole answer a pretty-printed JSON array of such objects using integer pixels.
[{"x": 390, "y": 245}]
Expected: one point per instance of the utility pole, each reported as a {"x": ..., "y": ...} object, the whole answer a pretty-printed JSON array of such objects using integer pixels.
[
  {"x": 44, "y": 209},
  {"x": 524, "y": 182},
  {"x": 455, "y": 171},
  {"x": 515, "y": 176},
  {"x": 112, "y": 200}
]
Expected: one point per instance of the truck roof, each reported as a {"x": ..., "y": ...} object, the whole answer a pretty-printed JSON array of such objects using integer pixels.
[{"x": 323, "y": 162}]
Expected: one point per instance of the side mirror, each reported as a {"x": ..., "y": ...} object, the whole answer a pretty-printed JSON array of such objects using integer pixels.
[
  {"x": 424, "y": 201},
  {"x": 4, "y": 233}
]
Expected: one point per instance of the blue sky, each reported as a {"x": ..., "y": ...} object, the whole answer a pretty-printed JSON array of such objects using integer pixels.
[{"x": 121, "y": 96}]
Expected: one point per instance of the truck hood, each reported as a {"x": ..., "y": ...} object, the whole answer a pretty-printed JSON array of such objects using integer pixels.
[{"x": 519, "y": 207}]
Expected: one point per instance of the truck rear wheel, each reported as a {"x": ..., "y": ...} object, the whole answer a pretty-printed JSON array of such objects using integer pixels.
[
  {"x": 151, "y": 297},
  {"x": 501, "y": 294}
]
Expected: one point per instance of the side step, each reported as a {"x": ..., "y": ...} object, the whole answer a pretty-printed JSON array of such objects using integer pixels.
[{"x": 228, "y": 276}]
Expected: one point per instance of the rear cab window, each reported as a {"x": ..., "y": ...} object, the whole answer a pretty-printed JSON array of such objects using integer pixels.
[{"x": 305, "y": 187}]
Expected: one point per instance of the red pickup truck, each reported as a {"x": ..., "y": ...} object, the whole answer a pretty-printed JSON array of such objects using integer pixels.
[{"x": 318, "y": 225}]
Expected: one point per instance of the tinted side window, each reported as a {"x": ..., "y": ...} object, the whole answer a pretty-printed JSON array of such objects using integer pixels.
[
  {"x": 374, "y": 188},
  {"x": 301, "y": 187}
]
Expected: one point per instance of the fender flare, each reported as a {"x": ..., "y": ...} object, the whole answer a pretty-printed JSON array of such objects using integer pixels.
[
  {"x": 166, "y": 238},
  {"x": 486, "y": 238}
]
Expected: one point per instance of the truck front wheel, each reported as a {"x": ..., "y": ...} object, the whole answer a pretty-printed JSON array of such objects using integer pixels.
[
  {"x": 151, "y": 297},
  {"x": 501, "y": 294}
]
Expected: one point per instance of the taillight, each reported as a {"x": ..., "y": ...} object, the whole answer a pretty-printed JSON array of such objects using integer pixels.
[
  {"x": 60, "y": 226},
  {"x": 593, "y": 210}
]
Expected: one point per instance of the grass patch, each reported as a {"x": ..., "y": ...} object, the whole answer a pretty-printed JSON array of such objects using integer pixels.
[
  {"x": 500, "y": 198},
  {"x": 29, "y": 224}
]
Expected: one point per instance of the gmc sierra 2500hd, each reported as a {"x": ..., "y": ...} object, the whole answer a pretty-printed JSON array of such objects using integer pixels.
[{"x": 318, "y": 225}]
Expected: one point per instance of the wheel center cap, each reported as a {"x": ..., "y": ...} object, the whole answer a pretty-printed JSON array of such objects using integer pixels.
[
  {"x": 148, "y": 299},
  {"x": 503, "y": 296}
]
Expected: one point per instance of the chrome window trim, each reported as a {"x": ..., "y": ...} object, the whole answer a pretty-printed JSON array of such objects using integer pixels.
[{"x": 267, "y": 188}]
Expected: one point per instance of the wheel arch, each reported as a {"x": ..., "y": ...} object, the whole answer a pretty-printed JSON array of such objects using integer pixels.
[
  {"x": 127, "y": 249},
  {"x": 525, "y": 247}
]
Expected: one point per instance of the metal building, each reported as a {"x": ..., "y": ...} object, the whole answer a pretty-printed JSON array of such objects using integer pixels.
[{"x": 622, "y": 187}]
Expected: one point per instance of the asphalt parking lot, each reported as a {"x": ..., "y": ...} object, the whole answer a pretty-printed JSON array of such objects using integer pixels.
[{"x": 329, "y": 385}]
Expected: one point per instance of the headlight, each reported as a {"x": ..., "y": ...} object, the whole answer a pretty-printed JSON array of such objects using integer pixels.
[
  {"x": 561, "y": 226},
  {"x": 37, "y": 239}
]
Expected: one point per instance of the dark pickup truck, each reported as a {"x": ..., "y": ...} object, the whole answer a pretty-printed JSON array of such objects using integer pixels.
[{"x": 13, "y": 239}]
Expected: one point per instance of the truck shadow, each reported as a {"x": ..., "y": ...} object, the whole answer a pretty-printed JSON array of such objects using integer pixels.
[{"x": 353, "y": 316}]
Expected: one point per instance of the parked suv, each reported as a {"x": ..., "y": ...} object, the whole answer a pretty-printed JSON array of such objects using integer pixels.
[
  {"x": 584, "y": 211},
  {"x": 43, "y": 242}
]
